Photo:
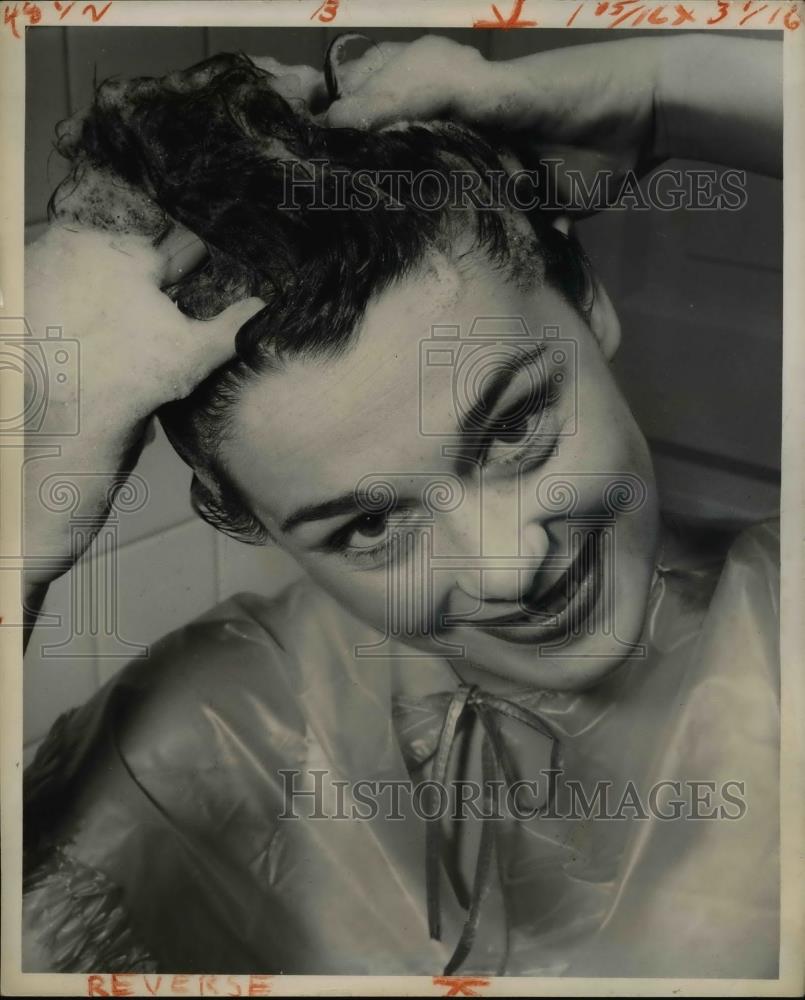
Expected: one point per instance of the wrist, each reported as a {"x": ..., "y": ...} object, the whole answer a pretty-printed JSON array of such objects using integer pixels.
[
  {"x": 674, "y": 95},
  {"x": 719, "y": 99},
  {"x": 477, "y": 88}
]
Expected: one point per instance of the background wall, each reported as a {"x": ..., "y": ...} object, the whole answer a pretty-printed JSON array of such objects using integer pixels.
[{"x": 700, "y": 300}]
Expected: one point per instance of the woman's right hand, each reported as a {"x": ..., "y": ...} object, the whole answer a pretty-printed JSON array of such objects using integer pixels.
[
  {"x": 136, "y": 350},
  {"x": 101, "y": 286}
]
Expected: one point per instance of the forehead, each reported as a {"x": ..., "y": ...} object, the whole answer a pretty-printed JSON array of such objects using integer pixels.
[{"x": 314, "y": 428}]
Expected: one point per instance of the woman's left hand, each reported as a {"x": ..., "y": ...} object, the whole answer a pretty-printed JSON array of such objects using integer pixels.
[
  {"x": 592, "y": 106},
  {"x": 607, "y": 107},
  {"x": 295, "y": 83},
  {"x": 430, "y": 78}
]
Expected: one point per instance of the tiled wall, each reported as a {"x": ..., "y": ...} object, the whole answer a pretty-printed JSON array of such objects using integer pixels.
[
  {"x": 701, "y": 290},
  {"x": 110, "y": 606}
]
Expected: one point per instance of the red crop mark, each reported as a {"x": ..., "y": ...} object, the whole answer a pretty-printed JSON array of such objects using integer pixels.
[
  {"x": 326, "y": 11},
  {"x": 512, "y": 21},
  {"x": 460, "y": 986}
]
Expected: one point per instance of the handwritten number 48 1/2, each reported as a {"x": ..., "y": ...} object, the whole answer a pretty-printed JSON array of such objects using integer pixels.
[{"x": 32, "y": 13}]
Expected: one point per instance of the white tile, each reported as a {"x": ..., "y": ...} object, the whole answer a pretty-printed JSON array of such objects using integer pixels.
[
  {"x": 693, "y": 490},
  {"x": 128, "y": 52},
  {"x": 262, "y": 570},
  {"x": 161, "y": 484},
  {"x": 155, "y": 586},
  {"x": 46, "y": 105},
  {"x": 506, "y": 45},
  {"x": 751, "y": 236},
  {"x": 290, "y": 46},
  {"x": 688, "y": 384}
]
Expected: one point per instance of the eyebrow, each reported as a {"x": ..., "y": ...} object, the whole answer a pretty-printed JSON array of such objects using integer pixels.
[
  {"x": 493, "y": 389},
  {"x": 343, "y": 504}
]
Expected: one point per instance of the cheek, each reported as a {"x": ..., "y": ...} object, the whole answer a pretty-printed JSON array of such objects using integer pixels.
[
  {"x": 364, "y": 593},
  {"x": 610, "y": 451},
  {"x": 624, "y": 455},
  {"x": 402, "y": 599}
]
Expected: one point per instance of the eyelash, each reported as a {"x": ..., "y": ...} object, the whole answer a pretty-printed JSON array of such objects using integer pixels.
[
  {"x": 368, "y": 557},
  {"x": 360, "y": 556},
  {"x": 544, "y": 403}
]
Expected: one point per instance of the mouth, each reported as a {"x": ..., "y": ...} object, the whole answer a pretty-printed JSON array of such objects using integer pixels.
[{"x": 560, "y": 611}]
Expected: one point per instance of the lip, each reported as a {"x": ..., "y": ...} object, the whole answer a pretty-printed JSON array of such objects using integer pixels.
[{"x": 582, "y": 580}]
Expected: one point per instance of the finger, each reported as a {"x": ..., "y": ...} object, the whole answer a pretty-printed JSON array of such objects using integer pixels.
[
  {"x": 376, "y": 56},
  {"x": 352, "y": 112},
  {"x": 365, "y": 111},
  {"x": 181, "y": 252},
  {"x": 297, "y": 82},
  {"x": 353, "y": 72},
  {"x": 213, "y": 341}
]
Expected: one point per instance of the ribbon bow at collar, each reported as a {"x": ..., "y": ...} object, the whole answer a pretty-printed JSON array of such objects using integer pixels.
[{"x": 497, "y": 767}]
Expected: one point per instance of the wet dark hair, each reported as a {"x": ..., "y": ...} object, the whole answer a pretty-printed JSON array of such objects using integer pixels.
[{"x": 210, "y": 148}]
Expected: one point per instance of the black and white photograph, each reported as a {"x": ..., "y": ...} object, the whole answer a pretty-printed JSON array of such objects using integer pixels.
[{"x": 400, "y": 462}]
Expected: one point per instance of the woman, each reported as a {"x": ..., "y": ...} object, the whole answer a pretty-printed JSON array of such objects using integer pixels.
[{"x": 490, "y": 598}]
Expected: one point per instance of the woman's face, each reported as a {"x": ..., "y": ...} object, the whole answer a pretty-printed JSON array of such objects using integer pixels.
[{"x": 466, "y": 477}]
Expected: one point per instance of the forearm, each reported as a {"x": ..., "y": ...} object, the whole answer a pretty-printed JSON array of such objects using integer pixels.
[
  {"x": 643, "y": 100},
  {"x": 719, "y": 98}
]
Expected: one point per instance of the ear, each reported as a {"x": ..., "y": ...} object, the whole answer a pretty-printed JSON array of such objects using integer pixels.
[{"x": 604, "y": 321}]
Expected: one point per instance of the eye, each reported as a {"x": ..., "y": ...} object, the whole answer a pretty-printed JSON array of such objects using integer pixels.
[
  {"x": 368, "y": 541},
  {"x": 522, "y": 434},
  {"x": 515, "y": 430},
  {"x": 367, "y": 528}
]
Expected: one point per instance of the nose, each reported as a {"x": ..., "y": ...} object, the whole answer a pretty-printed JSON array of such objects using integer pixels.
[{"x": 511, "y": 543}]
